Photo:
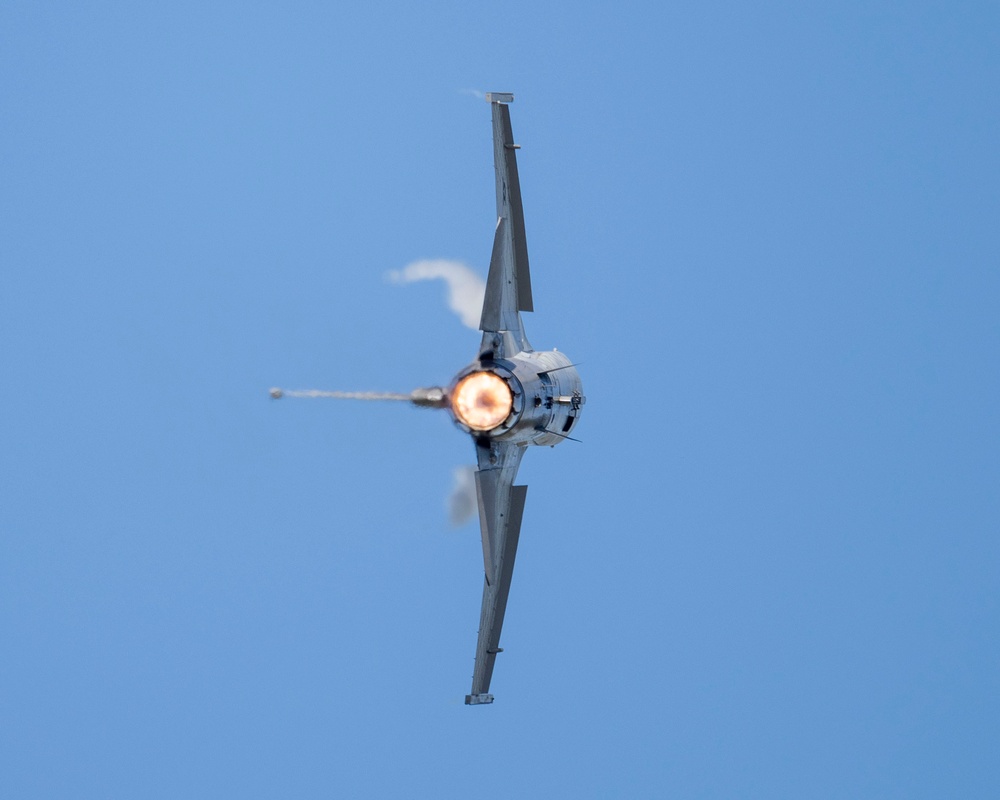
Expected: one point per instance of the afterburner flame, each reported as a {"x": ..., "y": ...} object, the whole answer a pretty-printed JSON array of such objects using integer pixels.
[{"x": 482, "y": 400}]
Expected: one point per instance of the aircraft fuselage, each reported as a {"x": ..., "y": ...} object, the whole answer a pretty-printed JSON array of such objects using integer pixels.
[{"x": 545, "y": 397}]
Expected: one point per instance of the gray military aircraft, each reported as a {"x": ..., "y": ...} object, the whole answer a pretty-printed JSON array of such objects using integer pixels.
[{"x": 508, "y": 398}]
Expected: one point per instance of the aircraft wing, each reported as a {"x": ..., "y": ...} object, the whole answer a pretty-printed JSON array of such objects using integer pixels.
[
  {"x": 500, "y": 507},
  {"x": 508, "y": 287}
]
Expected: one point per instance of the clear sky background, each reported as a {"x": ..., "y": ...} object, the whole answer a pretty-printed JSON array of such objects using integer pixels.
[{"x": 769, "y": 234}]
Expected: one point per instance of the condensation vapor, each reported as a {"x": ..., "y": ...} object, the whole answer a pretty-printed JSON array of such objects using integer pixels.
[
  {"x": 465, "y": 288},
  {"x": 463, "y": 503}
]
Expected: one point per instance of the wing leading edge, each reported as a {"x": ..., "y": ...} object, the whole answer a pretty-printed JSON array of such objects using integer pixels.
[{"x": 501, "y": 505}]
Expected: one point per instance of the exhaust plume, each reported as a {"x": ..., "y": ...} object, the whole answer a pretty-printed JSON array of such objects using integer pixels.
[
  {"x": 463, "y": 503},
  {"x": 465, "y": 288}
]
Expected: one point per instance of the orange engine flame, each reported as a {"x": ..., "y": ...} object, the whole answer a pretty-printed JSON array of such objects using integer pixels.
[{"x": 482, "y": 400}]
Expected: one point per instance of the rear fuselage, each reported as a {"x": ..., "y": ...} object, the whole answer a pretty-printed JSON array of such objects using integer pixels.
[{"x": 545, "y": 398}]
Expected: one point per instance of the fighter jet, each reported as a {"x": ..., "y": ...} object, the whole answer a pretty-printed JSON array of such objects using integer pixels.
[{"x": 509, "y": 398}]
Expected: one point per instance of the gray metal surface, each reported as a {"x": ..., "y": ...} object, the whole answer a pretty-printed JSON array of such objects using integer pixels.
[
  {"x": 501, "y": 506},
  {"x": 537, "y": 379},
  {"x": 547, "y": 400},
  {"x": 498, "y": 465},
  {"x": 544, "y": 403},
  {"x": 508, "y": 287}
]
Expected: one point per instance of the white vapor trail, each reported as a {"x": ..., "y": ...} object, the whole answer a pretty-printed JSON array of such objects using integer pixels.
[
  {"x": 465, "y": 288},
  {"x": 463, "y": 503}
]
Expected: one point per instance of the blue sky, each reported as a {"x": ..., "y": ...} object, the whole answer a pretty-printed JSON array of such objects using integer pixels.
[{"x": 769, "y": 235}]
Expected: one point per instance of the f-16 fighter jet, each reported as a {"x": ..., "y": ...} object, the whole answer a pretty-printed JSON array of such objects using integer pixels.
[{"x": 508, "y": 398}]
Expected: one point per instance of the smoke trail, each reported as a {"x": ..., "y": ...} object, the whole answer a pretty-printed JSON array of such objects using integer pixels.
[
  {"x": 276, "y": 393},
  {"x": 465, "y": 288},
  {"x": 463, "y": 503}
]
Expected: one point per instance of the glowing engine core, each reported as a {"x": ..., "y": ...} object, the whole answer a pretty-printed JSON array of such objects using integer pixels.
[{"x": 482, "y": 400}]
